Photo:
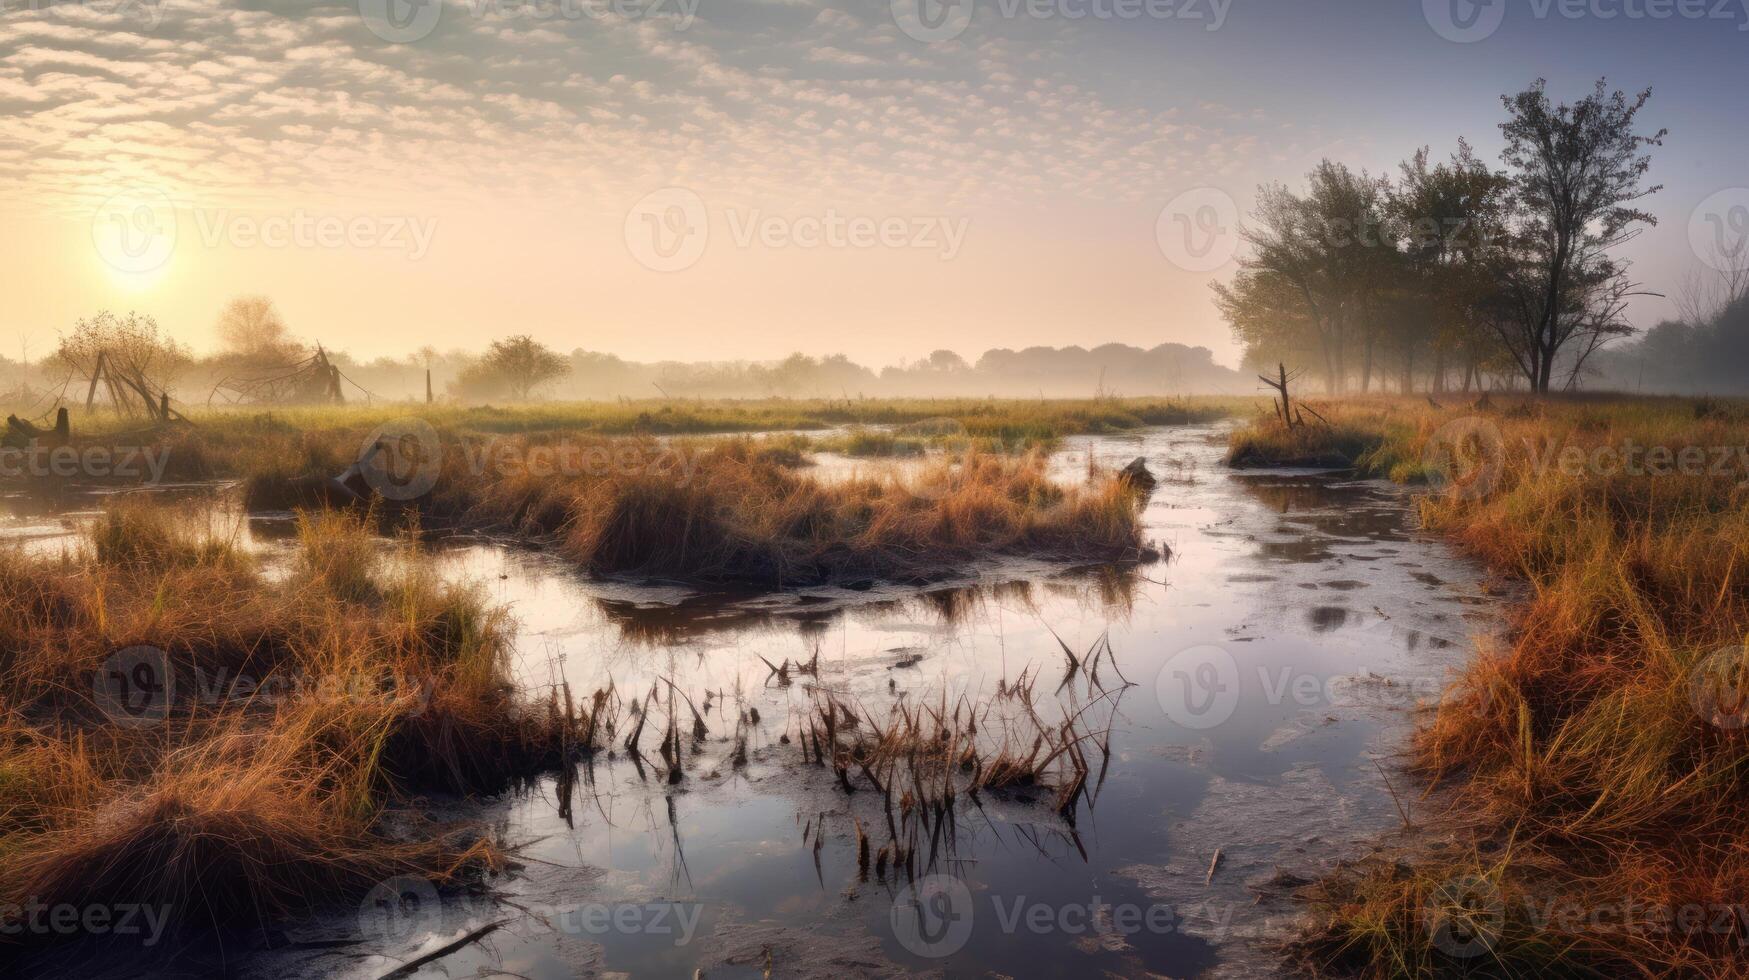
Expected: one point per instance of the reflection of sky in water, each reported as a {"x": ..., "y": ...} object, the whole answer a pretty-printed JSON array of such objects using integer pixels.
[{"x": 1333, "y": 616}]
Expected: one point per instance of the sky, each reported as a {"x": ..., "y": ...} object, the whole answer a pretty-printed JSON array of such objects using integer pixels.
[{"x": 740, "y": 179}]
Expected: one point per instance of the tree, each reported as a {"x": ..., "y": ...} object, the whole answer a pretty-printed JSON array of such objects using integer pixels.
[
  {"x": 130, "y": 343},
  {"x": 124, "y": 358},
  {"x": 250, "y": 326},
  {"x": 1575, "y": 172},
  {"x": 1452, "y": 215},
  {"x": 1331, "y": 251},
  {"x": 515, "y": 366}
]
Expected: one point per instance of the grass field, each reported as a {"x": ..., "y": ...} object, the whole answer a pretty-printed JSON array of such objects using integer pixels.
[
  {"x": 184, "y": 735},
  {"x": 1594, "y": 765},
  {"x": 1585, "y": 778}
]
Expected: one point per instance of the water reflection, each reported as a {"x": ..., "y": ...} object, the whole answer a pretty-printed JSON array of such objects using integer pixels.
[
  {"x": 772, "y": 851},
  {"x": 1332, "y": 615}
]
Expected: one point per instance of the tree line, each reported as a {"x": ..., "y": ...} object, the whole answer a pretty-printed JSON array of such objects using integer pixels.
[{"x": 1454, "y": 272}]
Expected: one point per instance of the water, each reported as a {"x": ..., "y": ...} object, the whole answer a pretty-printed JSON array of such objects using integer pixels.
[{"x": 1275, "y": 657}]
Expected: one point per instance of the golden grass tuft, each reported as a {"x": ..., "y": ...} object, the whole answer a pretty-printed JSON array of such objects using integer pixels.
[
  {"x": 298, "y": 712},
  {"x": 729, "y": 514}
]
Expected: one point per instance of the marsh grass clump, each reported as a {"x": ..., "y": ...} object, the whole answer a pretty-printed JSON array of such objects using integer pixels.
[
  {"x": 1345, "y": 437},
  {"x": 140, "y": 533},
  {"x": 290, "y": 718},
  {"x": 1599, "y": 756},
  {"x": 924, "y": 762},
  {"x": 737, "y": 518}
]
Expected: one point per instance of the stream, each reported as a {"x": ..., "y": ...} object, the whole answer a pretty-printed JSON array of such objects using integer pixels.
[{"x": 1274, "y": 664}]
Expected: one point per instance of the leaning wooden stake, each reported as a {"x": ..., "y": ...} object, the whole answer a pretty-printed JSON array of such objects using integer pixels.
[{"x": 1285, "y": 409}]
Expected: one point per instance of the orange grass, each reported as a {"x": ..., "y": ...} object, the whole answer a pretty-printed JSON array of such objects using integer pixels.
[
  {"x": 1585, "y": 755},
  {"x": 300, "y": 711},
  {"x": 726, "y": 512}
]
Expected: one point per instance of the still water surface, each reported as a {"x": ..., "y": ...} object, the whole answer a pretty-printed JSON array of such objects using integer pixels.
[{"x": 1275, "y": 656}]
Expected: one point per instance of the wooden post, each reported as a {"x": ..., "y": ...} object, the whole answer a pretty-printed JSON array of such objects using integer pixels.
[
  {"x": 63, "y": 428},
  {"x": 91, "y": 393},
  {"x": 427, "y": 386},
  {"x": 1285, "y": 409}
]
